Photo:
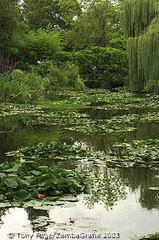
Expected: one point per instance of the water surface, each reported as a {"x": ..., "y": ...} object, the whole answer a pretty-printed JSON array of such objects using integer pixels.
[{"x": 120, "y": 201}]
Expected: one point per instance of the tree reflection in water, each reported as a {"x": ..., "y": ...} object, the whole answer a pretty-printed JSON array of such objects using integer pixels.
[
  {"x": 111, "y": 185},
  {"x": 141, "y": 179},
  {"x": 34, "y": 214},
  {"x": 3, "y": 212},
  {"x": 107, "y": 188}
]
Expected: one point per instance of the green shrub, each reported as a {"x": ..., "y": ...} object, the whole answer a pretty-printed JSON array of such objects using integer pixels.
[
  {"x": 152, "y": 86},
  {"x": 21, "y": 87},
  {"x": 71, "y": 72},
  {"x": 79, "y": 84},
  {"x": 64, "y": 75},
  {"x": 50, "y": 70},
  {"x": 37, "y": 46},
  {"x": 102, "y": 67}
]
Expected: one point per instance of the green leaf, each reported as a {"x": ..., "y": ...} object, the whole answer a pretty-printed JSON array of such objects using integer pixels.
[
  {"x": 154, "y": 188},
  {"x": 2, "y": 197},
  {"x": 24, "y": 182},
  {"x": 36, "y": 173},
  {"x": 42, "y": 184},
  {"x": 11, "y": 183},
  {"x": 2, "y": 175},
  {"x": 22, "y": 194}
]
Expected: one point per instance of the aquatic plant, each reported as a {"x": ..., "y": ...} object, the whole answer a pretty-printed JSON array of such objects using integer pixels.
[
  {"x": 139, "y": 153},
  {"x": 63, "y": 117},
  {"x": 20, "y": 87},
  {"x": 51, "y": 150},
  {"x": 103, "y": 128},
  {"x": 22, "y": 181},
  {"x": 11, "y": 123}
]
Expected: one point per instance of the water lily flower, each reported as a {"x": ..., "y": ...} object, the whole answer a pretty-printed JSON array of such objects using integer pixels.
[
  {"x": 41, "y": 195},
  {"x": 71, "y": 220}
]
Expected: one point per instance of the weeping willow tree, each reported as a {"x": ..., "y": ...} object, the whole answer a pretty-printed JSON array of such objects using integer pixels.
[
  {"x": 141, "y": 27},
  {"x": 137, "y": 15}
]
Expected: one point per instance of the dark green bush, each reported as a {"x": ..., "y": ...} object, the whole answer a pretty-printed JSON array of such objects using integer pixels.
[
  {"x": 102, "y": 67},
  {"x": 37, "y": 46},
  {"x": 152, "y": 86}
]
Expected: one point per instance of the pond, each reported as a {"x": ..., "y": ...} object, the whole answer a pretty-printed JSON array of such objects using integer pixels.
[{"x": 120, "y": 204}]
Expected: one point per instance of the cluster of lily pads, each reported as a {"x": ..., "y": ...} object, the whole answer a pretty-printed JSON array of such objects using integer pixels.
[
  {"x": 143, "y": 153},
  {"x": 139, "y": 153},
  {"x": 51, "y": 150},
  {"x": 23, "y": 181},
  {"x": 104, "y": 99},
  {"x": 103, "y": 128},
  {"x": 98, "y": 99},
  {"x": 66, "y": 117}
]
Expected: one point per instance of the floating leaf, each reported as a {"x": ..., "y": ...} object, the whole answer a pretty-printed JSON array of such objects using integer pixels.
[
  {"x": 69, "y": 205},
  {"x": 36, "y": 173},
  {"x": 2, "y": 175},
  {"x": 156, "y": 177},
  {"x": 154, "y": 188},
  {"x": 11, "y": 183},
  {"x": 21, "y": 194}
]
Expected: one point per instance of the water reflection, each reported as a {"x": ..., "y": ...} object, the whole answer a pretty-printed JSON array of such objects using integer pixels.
[
  {"x": 141, "y": 179},
  {"x": 27, "y": 136},
  {"x": 109, "y": 113},
  {"x": 97, "y": 141},
  {"x": 144, "y": 131},
  {"x": 123, "y": 191},
  {"x": 108, "y": 188},
  {"x": 33, "y": 215},
  {"x": 11, "y": 123},
  {"x": 3, "y": 212}
]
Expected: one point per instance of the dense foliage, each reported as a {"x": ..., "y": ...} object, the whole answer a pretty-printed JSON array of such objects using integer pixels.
[
  {"x": 141, "y": 27},
  {"x": 22, "y": 181},
  {"x": 18, "y": 86},
  {"x": 102, "y": 67},
  {"x": 87, "y": 34},
  {"x": 62, "y": 31}
]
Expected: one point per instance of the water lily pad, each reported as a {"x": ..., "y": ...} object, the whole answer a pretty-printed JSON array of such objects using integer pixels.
[
  {"x": 11, "y": 183},
  {"x": 60, "y": 203},
  {"x": 44, "y": 207},
  {"x": 28, "y": 182},
  {"x": 69, "y": 205},
  {"x": 3, "y": 205},
  {"x": 89, "y": 218},
  {"x": 69, "y": 199},
  {"x": 156, "y": 177},
  {"x": 2, "y": 175},
  {"x": 87, "y": 226},
  {"x": 154, "y": 236},
  {"x": 27, "y": 226},
  {"x": 21, "y": 194},
  {"x": 154, "y": 188}
]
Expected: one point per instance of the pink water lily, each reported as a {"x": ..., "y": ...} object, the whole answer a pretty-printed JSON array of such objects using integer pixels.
[
  {"x": 71, "y": 220},
  {"x": 41, "y": 195}
]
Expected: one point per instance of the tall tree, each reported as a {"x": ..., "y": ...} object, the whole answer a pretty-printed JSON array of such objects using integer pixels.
[
  {"x": 8, "y": 19},
  {"x": 141, "y": 28},
  {"x": 95, "y": 26},
  {"x": 55, "y": 13}
]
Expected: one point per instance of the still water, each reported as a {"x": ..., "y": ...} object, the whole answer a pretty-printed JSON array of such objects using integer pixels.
[{"x": 119, "y": 206}]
